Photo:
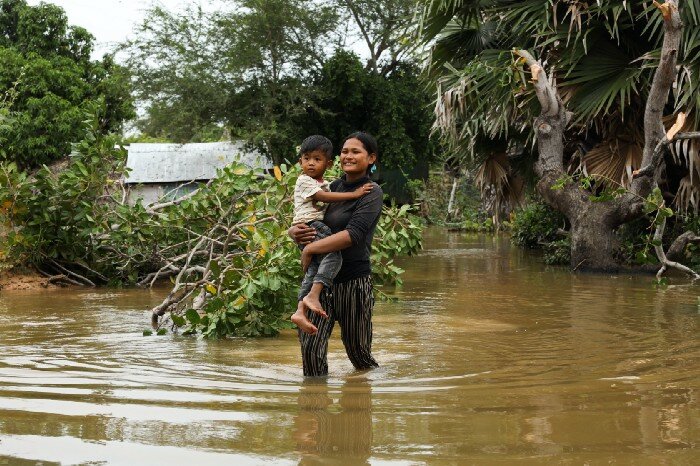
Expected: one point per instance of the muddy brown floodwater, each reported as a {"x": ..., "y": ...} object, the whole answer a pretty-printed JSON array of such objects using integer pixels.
[{"x": 488, "y": 357}]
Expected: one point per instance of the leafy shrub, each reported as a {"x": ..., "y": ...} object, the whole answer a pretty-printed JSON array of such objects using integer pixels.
[
  {"x": 558, "y": 252},
  {"x": 399, "y": 233},
  {"x": 535, "y": 225},
  {"x": 234, "y": 269},
  {"x": 55, "y": 216}
]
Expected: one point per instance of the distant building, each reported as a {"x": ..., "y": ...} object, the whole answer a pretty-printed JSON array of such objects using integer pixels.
[{"x": 161, "y": 172}]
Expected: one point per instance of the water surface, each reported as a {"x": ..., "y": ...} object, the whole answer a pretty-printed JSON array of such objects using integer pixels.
[{"x": 488, "y": 357}]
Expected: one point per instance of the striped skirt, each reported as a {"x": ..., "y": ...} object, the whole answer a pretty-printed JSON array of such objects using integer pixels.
[{"x": 350, "y": 304}]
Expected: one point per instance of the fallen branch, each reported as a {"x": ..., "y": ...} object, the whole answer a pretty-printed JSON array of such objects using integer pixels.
[
  {"x": 95, "y": 272},
  {"x": 665, "y": 262},
  {"x": 85, "y": 280},
  {"x": 156, "y": 207},
  {"x": 52, "y": 278}
]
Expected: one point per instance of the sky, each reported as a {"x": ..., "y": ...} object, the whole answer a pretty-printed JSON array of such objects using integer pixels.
[{"x": 112, "y": 21}]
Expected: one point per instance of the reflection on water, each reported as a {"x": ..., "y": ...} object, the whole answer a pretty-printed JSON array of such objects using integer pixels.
[
  {"x": 325, "y": 429},
  {"x": 487, "y": 356}
]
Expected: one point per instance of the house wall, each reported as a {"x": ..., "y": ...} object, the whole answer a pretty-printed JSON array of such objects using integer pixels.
[{"x": 153, "y": 193}]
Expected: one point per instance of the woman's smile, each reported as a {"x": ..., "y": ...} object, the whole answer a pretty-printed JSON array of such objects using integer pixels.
[{"x": 355, "y": 160}]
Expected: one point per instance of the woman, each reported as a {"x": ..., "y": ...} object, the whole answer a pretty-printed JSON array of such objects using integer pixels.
[{"x": 350, "y": 300}]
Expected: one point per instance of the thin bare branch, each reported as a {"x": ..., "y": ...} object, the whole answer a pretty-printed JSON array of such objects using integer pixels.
[
  {"x": 85, "y": 281},
  {"x": 660, "y": 87},
  {"x": 665, "y": 262}
]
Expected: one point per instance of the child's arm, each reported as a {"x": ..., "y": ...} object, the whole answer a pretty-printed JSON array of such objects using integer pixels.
[{"x": 327, "y": 196}]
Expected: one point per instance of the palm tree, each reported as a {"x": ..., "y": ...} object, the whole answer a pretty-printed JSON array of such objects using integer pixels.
[{"x": 602, "y": 57}]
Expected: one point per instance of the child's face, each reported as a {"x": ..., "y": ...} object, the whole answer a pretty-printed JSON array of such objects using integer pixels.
[{"x": 315, "y": 163}]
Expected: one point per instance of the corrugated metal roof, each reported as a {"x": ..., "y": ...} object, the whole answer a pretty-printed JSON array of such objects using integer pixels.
[{"x": 169, "y": 163}]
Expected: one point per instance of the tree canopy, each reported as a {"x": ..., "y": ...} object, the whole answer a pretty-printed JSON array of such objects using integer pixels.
[
  {"x": 55, "y": 84},
  {"x": 602, "y": 55},
  {"x": 272, "y": 72}
]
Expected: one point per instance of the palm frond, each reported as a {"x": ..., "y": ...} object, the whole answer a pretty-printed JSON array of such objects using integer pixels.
[
  {"x": 611, "y": 162},
  {"x": 501, "y": 190},
  {"x": 687, "y": 198}
]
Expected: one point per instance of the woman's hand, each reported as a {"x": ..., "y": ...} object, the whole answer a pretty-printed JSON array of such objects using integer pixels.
[
  {"x": 302, "y": 234},
  {"x": 306, "y": 257}
]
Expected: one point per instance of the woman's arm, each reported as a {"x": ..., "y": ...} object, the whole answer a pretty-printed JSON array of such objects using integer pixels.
[{"x": 333, "y": 243}]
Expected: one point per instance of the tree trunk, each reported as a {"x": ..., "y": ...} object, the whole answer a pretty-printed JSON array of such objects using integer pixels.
[
  {"x": 450, "y": 204},
  {"x": 594, "y": 244}
]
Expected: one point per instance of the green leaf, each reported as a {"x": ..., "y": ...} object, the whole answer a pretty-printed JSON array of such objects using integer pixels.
[
  {"x": 179, "y": 321},
  {"x": 193, "y": 316}
]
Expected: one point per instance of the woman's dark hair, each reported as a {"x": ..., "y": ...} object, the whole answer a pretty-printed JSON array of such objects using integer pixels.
[
  {"x": 317, "y": 142},
  {"x": 368, "y": 142}
]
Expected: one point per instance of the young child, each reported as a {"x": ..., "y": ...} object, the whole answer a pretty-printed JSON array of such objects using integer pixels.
[{"x": 316, "y": 156}]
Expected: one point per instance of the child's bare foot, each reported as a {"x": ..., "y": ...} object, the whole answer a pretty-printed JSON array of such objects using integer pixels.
[
  {"x": 313, "y": 304},
  {"x": 303, "y": 323}
]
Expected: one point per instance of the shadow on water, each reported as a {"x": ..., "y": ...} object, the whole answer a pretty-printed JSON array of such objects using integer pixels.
[{"x": 487, "y": 356}]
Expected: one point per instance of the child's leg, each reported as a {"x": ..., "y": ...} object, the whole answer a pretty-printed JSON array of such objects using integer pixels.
[
  {"x": 313, "y": 299},
  {"x": 299, "y": 318},
  {"x": 312, "y": 285},
  {"x": 325, "y": 272}
]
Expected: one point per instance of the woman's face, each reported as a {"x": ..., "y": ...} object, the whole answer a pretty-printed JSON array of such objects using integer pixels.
[{"x": 354, "y": 159}]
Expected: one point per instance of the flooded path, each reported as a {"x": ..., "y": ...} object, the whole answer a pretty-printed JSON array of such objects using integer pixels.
[{"x": 488, "y": 357}]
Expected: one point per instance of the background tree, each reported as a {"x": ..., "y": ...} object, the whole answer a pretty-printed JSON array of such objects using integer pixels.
[
  {"x": 394, "y": 108},
  {"x": 385, "y": 28},
  {"x": 602, "y": 57},
  {"x": 243, "y": 68},
  {"x": 262, "y": 70},
  {"x": 180, "y": 74},
  {"x": 48, "y": 64}
]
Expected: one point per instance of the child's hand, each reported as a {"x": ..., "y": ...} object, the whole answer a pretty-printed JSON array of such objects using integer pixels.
[
  {"x": 305, "y": 259},
  {"x": 362, "y": 190}
]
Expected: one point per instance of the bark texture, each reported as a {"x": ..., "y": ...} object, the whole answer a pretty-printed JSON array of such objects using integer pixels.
[{"x": 594, "y": 244}]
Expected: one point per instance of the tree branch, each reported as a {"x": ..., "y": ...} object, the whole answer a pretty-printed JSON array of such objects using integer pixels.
[
  {"x": 353, "y": 10},
  {"x": 657, "y": 155},
  {"x": 156, "y": 207},
  {"x": 665, "y": 262},
  {"x": 658, "y": 94},
  {"x": 85, "y": 281},
  {"x": 550, "y": 127},
  {"x": 546, "y": 93}
]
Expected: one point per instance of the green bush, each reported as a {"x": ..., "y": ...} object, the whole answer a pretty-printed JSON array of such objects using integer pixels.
[
  {"x": 399, "y": 233},
  {"x": 535, "y": 225},
  {"x": 54, "y": 217},
  {"x": 234, "y": 269}
]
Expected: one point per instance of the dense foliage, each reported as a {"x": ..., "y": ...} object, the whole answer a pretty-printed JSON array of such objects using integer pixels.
[
  {"x": 602, "y": 53},
  {"x": 48, "y": 64},
  {"x": 263, "y": 72},
  {"x": 392, "y": 108},
  {"x": 235, "y": 271},
  {"x": 538, "y": 226}
]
